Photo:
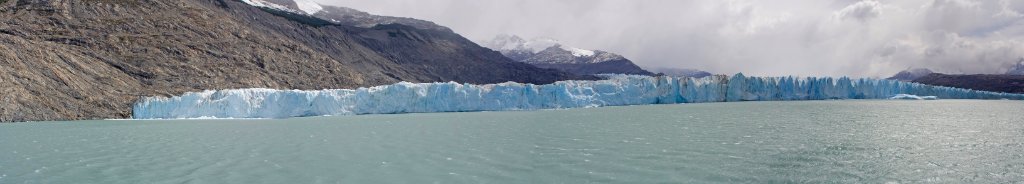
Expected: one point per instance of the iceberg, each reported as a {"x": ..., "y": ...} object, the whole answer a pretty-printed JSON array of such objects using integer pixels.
[
  {"x": 913, "y": 97},
  {"x": 615, "y": 90}
]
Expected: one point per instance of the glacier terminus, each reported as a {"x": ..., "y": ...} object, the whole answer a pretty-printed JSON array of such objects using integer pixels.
[{"x": 615, "y": 90}]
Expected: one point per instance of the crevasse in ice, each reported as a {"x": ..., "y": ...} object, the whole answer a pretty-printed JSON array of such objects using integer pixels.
[{"x": 617, "y": 90}]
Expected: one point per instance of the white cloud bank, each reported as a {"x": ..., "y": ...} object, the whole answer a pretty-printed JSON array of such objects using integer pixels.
[{"x": 781, "y": 37}]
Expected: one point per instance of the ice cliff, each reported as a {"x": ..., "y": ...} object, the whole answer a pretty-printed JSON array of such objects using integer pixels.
[{"x": 617, "y": 90}]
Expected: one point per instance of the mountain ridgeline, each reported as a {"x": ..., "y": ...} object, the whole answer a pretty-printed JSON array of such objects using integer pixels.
[
  {"x": 548, "y": 53},
  {"x": 91, "y": 59}
]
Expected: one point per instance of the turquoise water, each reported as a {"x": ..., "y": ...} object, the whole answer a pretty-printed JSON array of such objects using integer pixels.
[{"x": 946, "y": 141}]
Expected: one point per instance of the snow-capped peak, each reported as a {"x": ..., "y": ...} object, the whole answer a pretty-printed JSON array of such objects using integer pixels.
[
  {"x": 537, "y": 45},
  {"x": 512, "y": 42},
  {"x": 911, "y": 74},
  {"x": 505, "y": 42},
  {"x": 515, "y": 43}
]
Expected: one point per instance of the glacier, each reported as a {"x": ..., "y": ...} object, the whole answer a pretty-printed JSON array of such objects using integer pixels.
[{"x": 615, "y": 90}]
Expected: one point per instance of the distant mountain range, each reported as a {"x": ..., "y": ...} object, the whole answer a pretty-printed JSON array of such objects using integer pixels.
[
  {"x": 682, "y": 72},
  {"x": 91, "y": 59},
  {"x": 548, "y": 53}
]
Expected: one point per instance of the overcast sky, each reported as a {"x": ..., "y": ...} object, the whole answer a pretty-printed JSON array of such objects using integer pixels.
[{"x": 777, "y": 37}]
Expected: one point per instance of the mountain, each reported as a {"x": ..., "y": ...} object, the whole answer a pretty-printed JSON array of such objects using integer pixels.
[
  {"x": 682, "y": 72},
  {"x": 984, "y": 82},
  {"x": 92, "y": 59},
  {"x": 1017, "y": 69},
  {"x": 548, "y": 53},
  {"x": 911, "y": 74}
]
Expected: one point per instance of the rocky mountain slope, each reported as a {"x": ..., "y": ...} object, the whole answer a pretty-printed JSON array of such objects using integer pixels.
[
  {"x": 91, "y": 59},
  {"x": 984, "y": 82},
  {"x": 547, "y": 53}
]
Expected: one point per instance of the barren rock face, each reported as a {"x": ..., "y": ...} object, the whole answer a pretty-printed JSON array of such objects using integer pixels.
[{"x": 91, "y": 59}]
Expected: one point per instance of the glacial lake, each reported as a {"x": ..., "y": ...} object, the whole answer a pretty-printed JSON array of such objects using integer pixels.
[{"x": 853, "y": 141}]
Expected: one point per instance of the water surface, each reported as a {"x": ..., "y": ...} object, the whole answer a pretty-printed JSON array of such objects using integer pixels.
[{"x": 958, "y": 141}]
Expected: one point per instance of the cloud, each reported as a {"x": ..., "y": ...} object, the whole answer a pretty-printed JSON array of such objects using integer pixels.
[
  {"x": 862, "y": 11},
  {"x": 864, "y": 38}
]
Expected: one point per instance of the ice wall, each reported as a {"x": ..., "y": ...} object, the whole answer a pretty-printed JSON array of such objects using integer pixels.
[{"x": 617, "y": 90}]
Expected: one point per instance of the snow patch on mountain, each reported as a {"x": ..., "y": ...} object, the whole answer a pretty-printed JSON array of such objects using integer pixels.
[
  {"x": 304, "y": 6},
  {"x": 578, "y": 52},
  {"x": 265, "y": 4},
  {"x": 309, "y": 7}
]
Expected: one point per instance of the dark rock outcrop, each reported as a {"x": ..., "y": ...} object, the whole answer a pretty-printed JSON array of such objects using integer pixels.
[
  {"x": 996, "y": 83},
  {"x": 91, "y": 59}
]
